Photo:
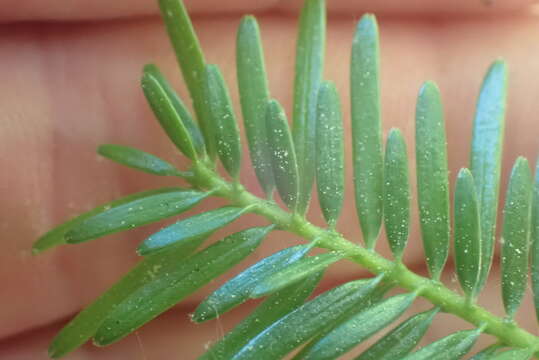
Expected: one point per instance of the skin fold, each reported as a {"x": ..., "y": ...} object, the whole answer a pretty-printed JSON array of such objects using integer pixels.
[{"x": 70, "y": 82}]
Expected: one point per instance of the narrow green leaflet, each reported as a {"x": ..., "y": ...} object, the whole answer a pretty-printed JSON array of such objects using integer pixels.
[
  {"x": 486, "y": 155},
  {"x": 515, "y": 354},
  {"x": 396, "y": 193},
  {"x": 432, "y": 177},
  {"x": 254, "y": 95},
  {"x": 187, "y": 229},
  {"x": 535, "y": 242},
  {"x": 224, "y": 128},
  {"x": 452, "y": 347},
  {"x": 293, "y": 273},
  {"x": 310, "y": 50},
  {"x": 282, "y": 154},
  {"x": 135, "y": 213},
  {"x": 170, "y": 112},
  {"x": 56, "y": 236},
  {"x": 271, "y": 310},
  {"x": 163, "y": 292},
  {"x": 401, "y": 340},
  {"x": 487, "y": 353},
  {"x": 468, "y": 254},
  {"x": 329, "y": 152},
  {"x": 138, "y": 159},
  {"x": 190, "y": 58},
  {"x": 300, "y": 325},
  {"x": 356, "y": 329},
  {"x": 515, "y": 236},
  {"x": 367, "y": 128},
  {"x": 86, "y": 323},
  {"x": 238, "y": 289}
]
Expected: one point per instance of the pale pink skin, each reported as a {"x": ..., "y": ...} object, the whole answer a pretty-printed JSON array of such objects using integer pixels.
[{"x": 71, "y": 85}]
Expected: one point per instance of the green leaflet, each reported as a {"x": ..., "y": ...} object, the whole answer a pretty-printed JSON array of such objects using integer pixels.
[
  {"x": 487, "y": 353},
  {"x": 171, "y": 113},
  {"x": 515, "y": 354},
  {"x": 135, "y": 213},
  {"x": 310, "y": 50},
  {"x": 535, "y": 242},
  {"x": 486, "y": 155},
  {"x": 223, "y": 126},
  {"x": 275, "y": 307},
  {"x": 329, "y": 152},
  {"x": 238, "y": 289},
  {"x": 138, "y": 159},
  {"x": 86, "y": 323},
  {"x": 367, "y": 128},
  {"x": 452, "y": 347},
  {"x": 56, "y": 236},
  {"x": 190, "y": 58},
  {"x": 356, "y": 329},
  {"x": 254, "y": 95},
  {"x": 293, "y": 273},
  {"x": 163, "y": 292},
  {"x": 515, "y": 235},
  {"x": 401, "y": 340},
  {"x": 432, "y": 179},
  {"x": 190, "y": 228},
  {"x": 396, "y": 193},
  {"x": 282, "y": 154},
  {"x": 468, "y": 256},
  {"x": 300, "y": 325}
]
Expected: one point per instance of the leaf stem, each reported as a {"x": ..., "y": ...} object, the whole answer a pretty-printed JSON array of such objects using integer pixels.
[{"x": 449, "y": 301}]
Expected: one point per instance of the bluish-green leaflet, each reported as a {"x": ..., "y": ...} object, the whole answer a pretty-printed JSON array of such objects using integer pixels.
[
  {"x": 238, "y": 289},
  {"x": 294, "y": 272},
  {"x": 86, "y": 323},
  {"x": 515, "y": 354},
  {"x": 432, "y": 178},
  {"x": 282, "y": 154},
  {"x": 329, "y": 152},
  {"x": 310, "y": 50},
  {"x": 356, "y": 329},
  {"x": 515, "y": 236},
  {"x": 163, "y": 292},
  {"x": 401, "y": 340},
  {"x": 487, "y": 353},
  {"x": 367, "y": 128},
  {"x": 396, "y": 193},
  {"x": 190, "y": 59},
  {"x": 468, "y": 256},
  {"x": 275, "y": 307},
  {"x": 224, "y": 128},
  {"x": 486, "y": 155},
  {"x": 135, "y": 213},
  {"x": 301, "y": 324},
  {"x": 187, "y": 229},
  {"x": 534, "y": 233},
  {"x": 56, "y": 236},
  {"x": 254, "y": 95},
  {"x": 137, "y": 159},
  {"x": 171, "y": 113},
  {"x": 451, "y": 347}
]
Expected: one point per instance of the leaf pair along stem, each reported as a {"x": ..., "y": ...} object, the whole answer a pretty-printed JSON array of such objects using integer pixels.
[{"x": 507, "y": 332}]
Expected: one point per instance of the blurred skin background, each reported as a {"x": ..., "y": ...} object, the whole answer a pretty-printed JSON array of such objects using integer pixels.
[{"x": 70, "y": 82}]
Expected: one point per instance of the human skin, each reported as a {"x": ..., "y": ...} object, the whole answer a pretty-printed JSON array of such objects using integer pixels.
[{"x": 70, "y": 82}]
